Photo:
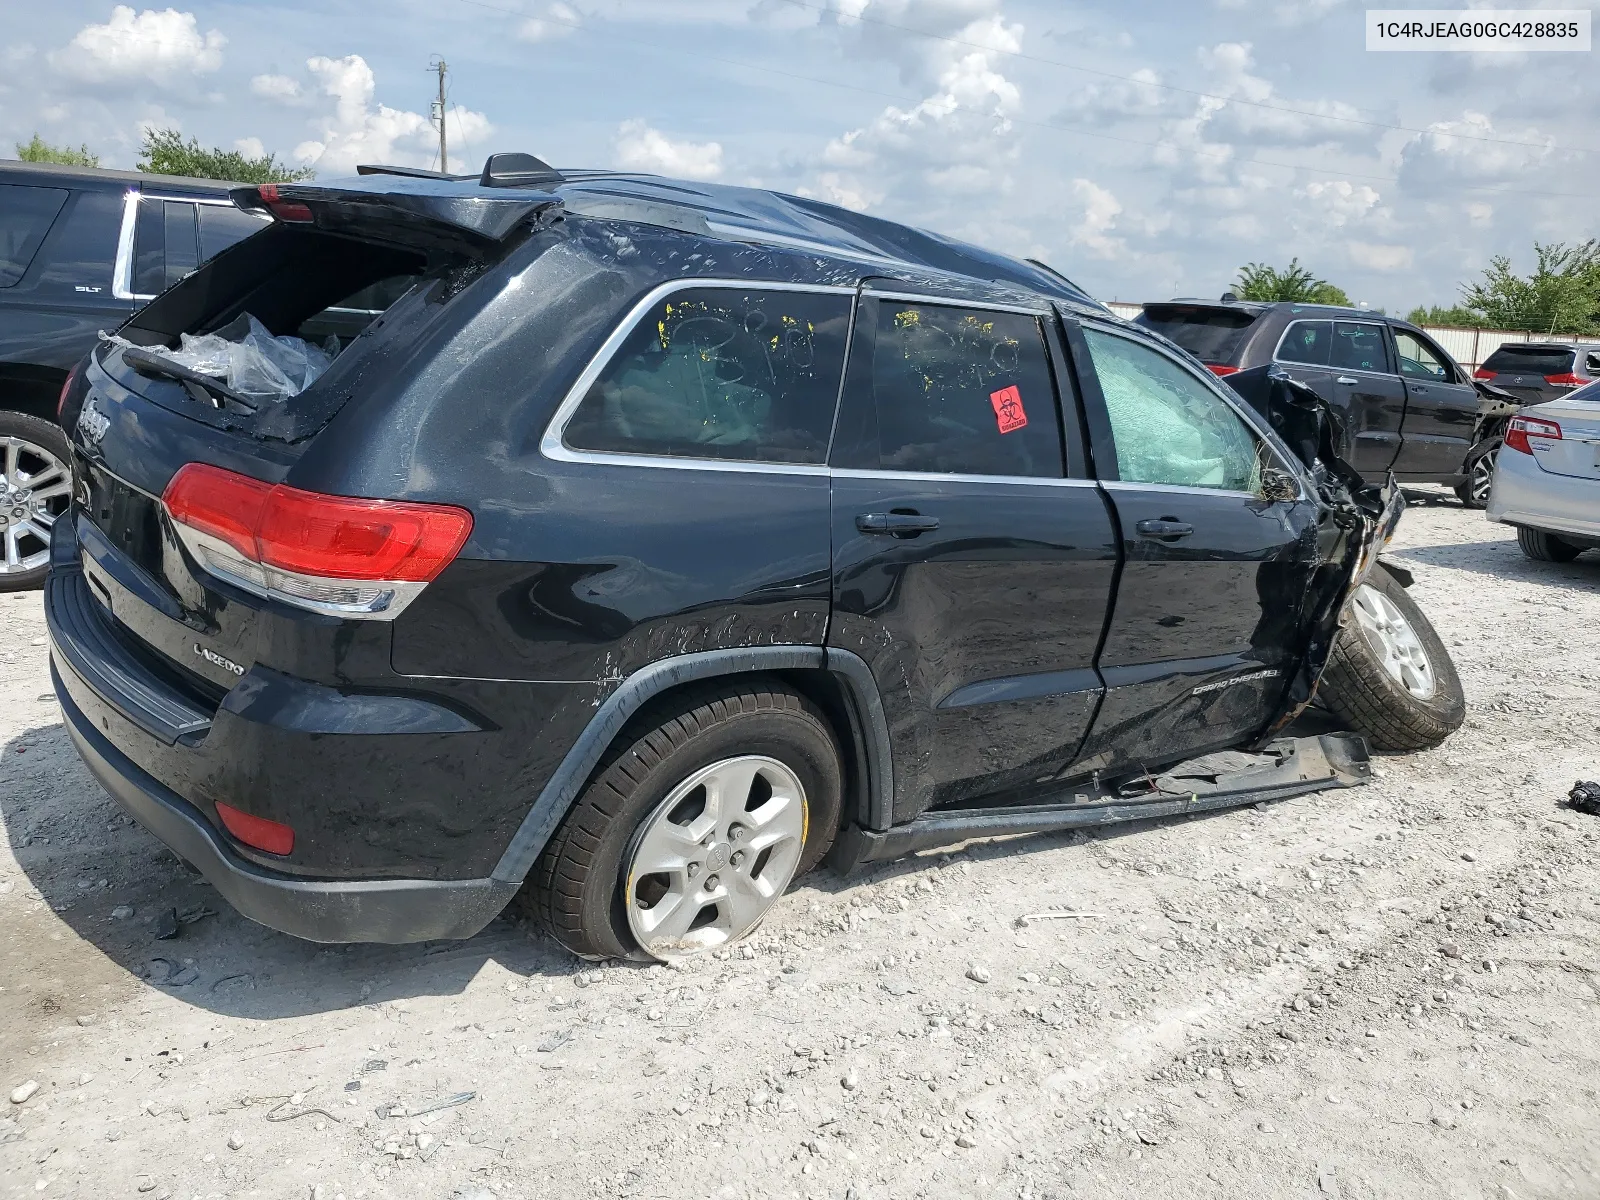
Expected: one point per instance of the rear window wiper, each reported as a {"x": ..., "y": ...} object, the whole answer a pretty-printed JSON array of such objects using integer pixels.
[{"x": 200, "y": 387}]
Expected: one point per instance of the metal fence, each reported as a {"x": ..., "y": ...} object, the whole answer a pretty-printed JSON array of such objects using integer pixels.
[{"x": 1469, "y": 347}]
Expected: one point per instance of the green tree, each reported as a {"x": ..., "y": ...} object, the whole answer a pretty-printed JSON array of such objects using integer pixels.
[
  {"x": 39, "y": 150},
  {"x": 1295, "y": 284},
  {"x": 164, "y": 152},
  {"x": 1561, "y": 296},
  {"x": 1436, "y": 314}
]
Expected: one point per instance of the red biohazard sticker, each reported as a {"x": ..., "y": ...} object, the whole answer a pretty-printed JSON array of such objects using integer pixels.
[{"x": 1008, "y": 412}]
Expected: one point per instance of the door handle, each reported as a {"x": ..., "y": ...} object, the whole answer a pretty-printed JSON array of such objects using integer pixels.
[
  {"x": 899, "y": 524},
  {"x": 1347, "y": 379},
  {"x": 1167, "y": 529}
]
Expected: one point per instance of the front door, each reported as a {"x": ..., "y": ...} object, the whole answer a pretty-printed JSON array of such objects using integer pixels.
[
  {"x": 970, "y": 569},
  {"x": 1202, "y": 636},
  {"x": 1441, "y": 410}
]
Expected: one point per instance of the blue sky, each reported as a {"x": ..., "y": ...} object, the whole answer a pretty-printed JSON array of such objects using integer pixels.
[{"x": 1145, "y": 149}]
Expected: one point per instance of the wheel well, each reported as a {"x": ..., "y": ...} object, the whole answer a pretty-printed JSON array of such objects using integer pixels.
[
  {"x": 821, "y": 687},
  {"x": 31, "y": 389}
]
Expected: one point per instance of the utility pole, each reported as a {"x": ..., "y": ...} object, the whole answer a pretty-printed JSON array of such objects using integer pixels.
[{"x": 438, "y": 115}]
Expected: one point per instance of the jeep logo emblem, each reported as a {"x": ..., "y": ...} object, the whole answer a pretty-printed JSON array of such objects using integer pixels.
[{"x": 215, "y": 659}]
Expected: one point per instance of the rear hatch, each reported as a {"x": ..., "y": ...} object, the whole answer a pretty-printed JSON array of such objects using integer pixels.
[
  {"x": 1576, "y": 451},
  {"x": 1213, "y": 333},
  {"x": 1531, "y": 373},
  {"x": 368, "y": 279}
]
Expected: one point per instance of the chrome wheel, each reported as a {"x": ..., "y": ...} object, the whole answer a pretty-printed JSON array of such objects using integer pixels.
[
  {"x": 1481, "y": 478},
  {"x": 714, "y": 856},
  {"x": 1400, "y": 651},
  {"x": 34, "y": 490}
]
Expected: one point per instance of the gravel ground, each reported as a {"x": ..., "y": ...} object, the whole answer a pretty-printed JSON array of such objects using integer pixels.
[{"x": 1385, "y": 991}]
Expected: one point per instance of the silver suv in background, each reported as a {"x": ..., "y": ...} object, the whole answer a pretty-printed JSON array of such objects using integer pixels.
[{"x": 1534, "y": 372}]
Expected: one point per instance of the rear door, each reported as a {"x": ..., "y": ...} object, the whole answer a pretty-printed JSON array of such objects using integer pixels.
[
  {"x": 1346, "y": 363},
  {"x": 1441, "y": 409},
  {"x": 1207, "y": 610},
  {"x": 971, "y": 568}
]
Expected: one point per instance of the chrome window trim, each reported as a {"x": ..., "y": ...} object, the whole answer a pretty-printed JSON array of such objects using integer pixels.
[
  {"x": 942, "y": 477},
  {"x": 1235, "y": 404},
  {"x": 952, "y": 302},
  {"x": 553, "y": 444},
  {"x": 1378, "y": 325},
  {"x": 1130, "y": 485}
]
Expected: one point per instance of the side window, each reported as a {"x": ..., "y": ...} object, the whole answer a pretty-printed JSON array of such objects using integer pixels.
[
  {"x": 1419, "y": 361},
  {"x": 1591, "y": 364},
  {"x": 722, "y": 373},
  {"x": 1306, "y": 342},
  {"x": 150, "y": 248},
  {"x": 956, "y": 391},
  {"x": 1358, "y": 346},
  {"x": 183, "y": 241},
  {"x": 222, "y": 227},
  {"x": 26, "y": 214},
  {"x": 1168, "y": 426}
]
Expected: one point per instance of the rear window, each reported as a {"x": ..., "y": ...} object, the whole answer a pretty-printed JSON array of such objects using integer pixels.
[
  {"x": 722, "y": 373},
  {"x": 1212, "y": 335},
  {"x": 1530, "y": 360},
  {"x": 26, "y": 214}
]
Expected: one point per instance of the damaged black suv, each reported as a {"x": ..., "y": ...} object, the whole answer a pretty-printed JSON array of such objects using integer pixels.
[{"x": 661, "y": 538}]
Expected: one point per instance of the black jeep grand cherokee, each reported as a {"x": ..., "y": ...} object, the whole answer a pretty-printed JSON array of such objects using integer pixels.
[{"x": 661, "y": 537}]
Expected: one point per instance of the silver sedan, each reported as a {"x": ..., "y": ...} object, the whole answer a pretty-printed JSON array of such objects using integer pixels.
[{"x": 1547, "y": 477}]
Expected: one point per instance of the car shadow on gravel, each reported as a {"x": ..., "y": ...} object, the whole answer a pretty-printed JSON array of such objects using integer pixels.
[
  {"x": 1500, "y": 558},
  {"x": 91, "y": 865}
]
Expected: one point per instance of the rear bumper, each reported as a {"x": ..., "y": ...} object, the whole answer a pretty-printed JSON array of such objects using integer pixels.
[
  {"x": 368, "y": 910},
  {"x": 1526, "y": 494}
]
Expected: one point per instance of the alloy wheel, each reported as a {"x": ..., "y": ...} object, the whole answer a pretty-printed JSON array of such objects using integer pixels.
[
  {"x": 1400, "y": 650},
  {"x": 715, "y": 855},
  {"x": 34, "y": 490},
  {"x": 1481, "y": 477}
]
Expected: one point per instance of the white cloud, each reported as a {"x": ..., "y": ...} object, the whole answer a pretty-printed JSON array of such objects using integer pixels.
[
  {"x": 642, "y": 148},
  {"x": 163, "y": 48},
  {"x": 559, "y": 20},
  {"x": 276, "y": 87},
  {"x": 1338, "y": 202},
  {"x": 1379, "y": 257},
  {"x": 360, "y": 131},
  {"x": 1100, "y": 212},
  {"x": 250, "y": 147},
  {"x": 959, "y": 140},
  {"x": 1452, "y": 153}
]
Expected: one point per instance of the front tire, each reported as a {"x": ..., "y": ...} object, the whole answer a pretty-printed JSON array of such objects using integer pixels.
[
  {"x": 1474, "y": 491},
  {"x": 1546, "y": 547},
  {"x": 1389, "y": 676},
  {"x": 693, "y": 826},
  {"x": 35, "y": 489}
]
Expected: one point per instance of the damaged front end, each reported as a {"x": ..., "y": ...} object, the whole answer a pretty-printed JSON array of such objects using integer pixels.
[{"x": 1364, "y": 516}]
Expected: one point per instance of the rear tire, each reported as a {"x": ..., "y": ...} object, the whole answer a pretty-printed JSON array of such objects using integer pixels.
[
  {"x": 593, "y": 872},
  {"x": 1473, "y": 492},
  {"x": 1546, "y": 547},
  {"x": 35, "y": 489},
  {"x": 1389, "y": 676}
]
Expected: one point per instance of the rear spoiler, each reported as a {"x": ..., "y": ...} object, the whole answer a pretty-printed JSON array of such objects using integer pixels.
[{"x": 407, "y": 210}]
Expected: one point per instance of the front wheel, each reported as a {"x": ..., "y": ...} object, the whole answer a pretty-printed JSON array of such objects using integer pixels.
[
  {"x": 1389, "y": 676},
  {"x": 693, "y": 828}
]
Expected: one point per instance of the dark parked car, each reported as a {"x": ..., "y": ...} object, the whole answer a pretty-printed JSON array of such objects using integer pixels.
[
  {"x": 1405, "y": 405},
  {"x": 663, "y": 536},
  {"x": 80, "y": 251}
]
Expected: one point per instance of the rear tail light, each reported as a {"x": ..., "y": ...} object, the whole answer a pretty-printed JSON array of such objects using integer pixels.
[
  {"x": 341, "y": 555},
  {"x": 272, "y": 836},
  {"x": 1484, "y": 373},
  {"x": 1221, "y": 371},
  {"x": 1566, "y": 379},
  {"x": 66, "y": 390},
  {"x": 1522, "y": 429},
  {"x": 284, "y": 210}
]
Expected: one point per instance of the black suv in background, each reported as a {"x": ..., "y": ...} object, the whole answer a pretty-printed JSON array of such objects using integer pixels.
[
  {"x": 662, "y": 535},
  {"x": 1534, "y": 372},
  {"x": 1407, "y": 407},
  {"x": 80, "y": 251}
]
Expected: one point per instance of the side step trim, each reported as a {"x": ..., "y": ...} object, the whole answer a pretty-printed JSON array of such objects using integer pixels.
[{"x": 1308, "y": 764}]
